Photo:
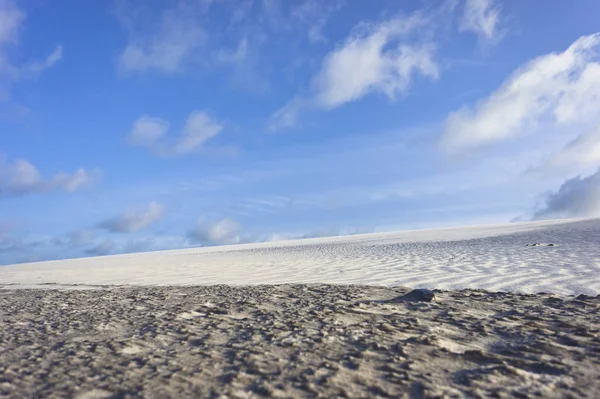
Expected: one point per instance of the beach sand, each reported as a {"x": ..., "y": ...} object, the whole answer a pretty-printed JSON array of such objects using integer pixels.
[{"x": 296, "y": 341}]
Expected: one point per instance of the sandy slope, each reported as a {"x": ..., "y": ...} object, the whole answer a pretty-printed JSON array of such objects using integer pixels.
[
  {"x": 290, "y": 341},
  {"x": 489, "y": 257}
]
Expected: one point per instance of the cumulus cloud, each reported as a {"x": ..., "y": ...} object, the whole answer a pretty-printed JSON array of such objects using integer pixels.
[
  {"x": 223, "y": 231},
  {"x": 151, "y": 133},
  {"x": 481, "y": 17},
  {"x": 164, "y": 42},
  {"x": 22, "y": 178},
  {"x": 134, "y": 219},
  {"x": 376, "y": 58},
  {"x": 558, "y": 88},
  {"x": 103, "y": 248},
  {"x": 576, "y": 197}
]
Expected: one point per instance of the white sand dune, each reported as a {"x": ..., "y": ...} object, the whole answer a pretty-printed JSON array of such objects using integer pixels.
[{"x": 490, "y": 257}]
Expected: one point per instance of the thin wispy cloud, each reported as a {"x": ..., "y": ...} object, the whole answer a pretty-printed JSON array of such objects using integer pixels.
[
  {"x": 35, "y": 68},
  {"x": 151, "y": 133},
  {"x": 482, "y": 17},
  {"x": 165, "y": 41},
  {"x": 134, "y": 219},
  {"x": 314, "y": 15},
  {"x": 184, "y": 36},
  {"x": 12, "y": 19},
  {"x": 288, "y": 115},
  {"x": 22, "y": 178},
  {"x": 555, "y": 88},
  {"x": 236, "y": 55}
]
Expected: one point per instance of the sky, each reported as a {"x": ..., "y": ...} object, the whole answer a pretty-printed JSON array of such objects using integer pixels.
[{"x": 130, "y": 126}]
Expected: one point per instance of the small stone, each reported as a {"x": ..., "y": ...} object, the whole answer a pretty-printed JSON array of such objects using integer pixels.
[
  {"x": 418, "y": 295},
  {"x": 550, "y": 245}
]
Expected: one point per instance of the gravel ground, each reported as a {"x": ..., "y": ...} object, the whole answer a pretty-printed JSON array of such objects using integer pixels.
[{"x": 295, "y": 341}]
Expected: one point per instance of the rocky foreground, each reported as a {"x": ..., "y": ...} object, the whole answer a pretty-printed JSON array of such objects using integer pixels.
[{"x": 296, "y": 341}]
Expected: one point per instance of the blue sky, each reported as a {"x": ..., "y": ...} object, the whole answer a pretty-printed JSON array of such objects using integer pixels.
[{"x": 131, "y": 126}]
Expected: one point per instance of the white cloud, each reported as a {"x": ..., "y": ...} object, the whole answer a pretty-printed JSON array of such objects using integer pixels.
[
  {"x": 576, "y": 197},
  {"x": 146, "y": 131},
  {"x": 583, "y": 151},
  {"x": 163, "y": 42},
  {"x": 199, "y": 127},
  {"x": 582, "y": 99},
  {"x": 21, "y": 178},
  {"x": 235, "y": 56},
  {"x": 240, "y": 11},
  {"x": 314, "y": 15},
  {"x": 151, "y": 133},
  {"x": 224, "y": 231},
  {"x": 36, "y": 68},
  {"x": 11, "y": 22},
  {"x": 11, "y": 19},
  {"x": 287, "y": 116},
  {"x": 375, "y": 59},
  {"x": 481, "y": 17},
  {"x": 555, "y": 88},
  {"x": 134, "y": 219}
]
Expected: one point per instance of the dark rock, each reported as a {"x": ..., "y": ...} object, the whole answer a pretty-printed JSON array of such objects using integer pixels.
[
  {"x": 418, "y": 295},
  {"x": 550, "y": 245},
  {"x": 584, "y": 297}
]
